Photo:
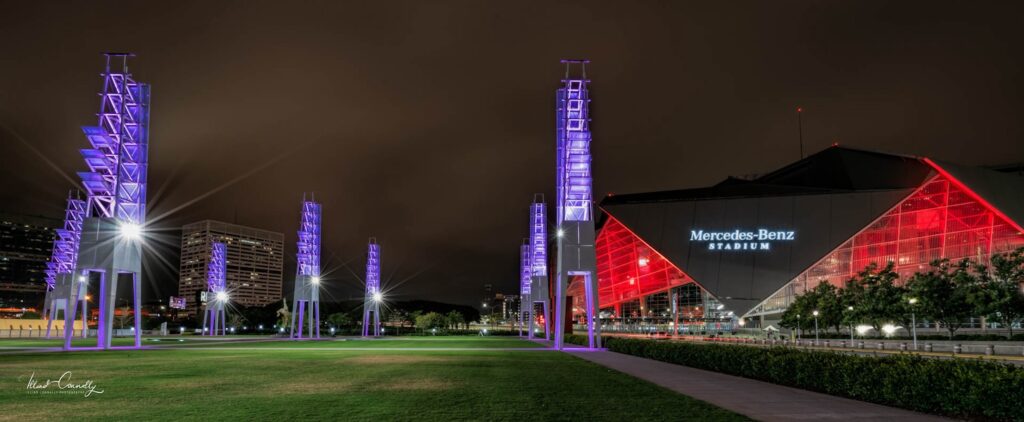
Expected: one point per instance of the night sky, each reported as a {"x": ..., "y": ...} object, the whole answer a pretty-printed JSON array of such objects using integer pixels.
[{"x": 430, "y": 125}]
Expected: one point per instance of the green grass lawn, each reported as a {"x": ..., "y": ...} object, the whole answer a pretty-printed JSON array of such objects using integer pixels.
[{"x": 256, "y": 381}]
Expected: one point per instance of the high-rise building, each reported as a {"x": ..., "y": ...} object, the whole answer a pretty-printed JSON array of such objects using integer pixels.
[
  {"x": 25, "y": 246},
  {"x": 255, "y": 259}
]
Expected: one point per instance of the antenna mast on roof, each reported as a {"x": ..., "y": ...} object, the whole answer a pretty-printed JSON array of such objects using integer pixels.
[{"x": 800, "y": 129}]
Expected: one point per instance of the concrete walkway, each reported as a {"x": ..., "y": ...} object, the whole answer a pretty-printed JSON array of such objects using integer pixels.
[{"x": 755, "y": 399}]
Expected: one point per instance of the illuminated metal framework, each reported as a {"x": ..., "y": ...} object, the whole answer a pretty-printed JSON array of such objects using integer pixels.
[
  {"x": 525, "y": 274},
  {"x": 941, "y": 219},
  {"x": 60, "y": 270},
  {"x": 538, "y": 293},
  {"x": 116, "y": 186},
  {"x": 214, "y": 319},
  {"x": 574, "y": 205},
  {"x": 307, "y": 277},
  {"x": 371, "y": 303}
]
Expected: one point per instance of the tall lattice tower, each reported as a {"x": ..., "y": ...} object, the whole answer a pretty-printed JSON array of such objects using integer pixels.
[
  {"x": 214, "y": 318},
  {"x": 60, "y": 271},
  {"x": 307, "y": 273},
  {"x": 538, "y": 291},
  {"x": 524, "y": 285},
  {"x": 112, "y": 232},
  {"x": 577, "y": 259},
  {"x": 373, "y": 298}
]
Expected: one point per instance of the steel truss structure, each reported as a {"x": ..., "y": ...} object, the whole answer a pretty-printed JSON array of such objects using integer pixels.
[
  {"x": 60, "y": 270},
  {"x": 111, "y": 242},
  {"x": 371, "y": 302},
  {"x": 577, "y": 261},
  {"x": 307, "y": 273},
  {"x": 524, "y": 285},
  {"x": 538, "y": 293},
  {"x": 214, "y": 318}
]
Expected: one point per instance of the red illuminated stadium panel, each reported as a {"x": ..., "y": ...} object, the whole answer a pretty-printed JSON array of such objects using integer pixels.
[
  {"x": 627, "y": 268},
  {"x": 942, "y": 219}
]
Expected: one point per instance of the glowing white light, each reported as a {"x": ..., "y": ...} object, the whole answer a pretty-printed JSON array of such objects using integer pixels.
[
  {"x": 863, "y": 329},
  {"x": 316, "y": 280},
  {"x": 642, "y": 262},
  {"x": 131, "y": 231},
  {"x": 282, "y": 330},
  {"x": 889, "y": 329},
  {"x": 83, "y": 278},
  {"x": 222, "y": 296},
  {"x": 720, "y": 307},
  {"x": 377, "y": 297},
  {"x": 815, "y": 313},
  {"x": 560, "y": 233},
  {"x": 742, "y": 322},
  {"x": 912, "y": 300},
  {"x": 261, "y": 326}
]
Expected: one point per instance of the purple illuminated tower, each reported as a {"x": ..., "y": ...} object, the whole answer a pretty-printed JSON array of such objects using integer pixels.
[
  {"x": 577, "y": 259},
  {"x": 371, "y": 303},
  {"x": 60, "y": 271},
  {"x": 112, "y": 232},
  {"x": 307, "y": 273},
  {"x": 214, "y": 318},
  {"x": 524, "y": 284},
  {"x": 538, "y": 291}
]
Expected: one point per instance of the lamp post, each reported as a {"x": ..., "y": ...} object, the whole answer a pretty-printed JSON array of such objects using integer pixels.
[
  {"x": 815, "y": 313},
  {"x": 850, "y": 308},
  {"x": 913, "y": 321},
  {"x": 798, "y": 326}
]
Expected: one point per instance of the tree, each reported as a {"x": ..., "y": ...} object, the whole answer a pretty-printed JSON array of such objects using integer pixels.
[
  {"x": 411, "y": 317},
  {"x": 235, "y": 319},
  {"x": 340, "y": 319},
  {"x": 882, "y": 301},
  {"x": 850, "y": 297},
  {"x": 828, "y": 305},
  {"x": 1000, "y": 296},
  {"x": 454, "y": 319},
  {"x": 430, "y": 320},
  {"x": 943, "y": 292},
  {"x": 798, "y": 316}
]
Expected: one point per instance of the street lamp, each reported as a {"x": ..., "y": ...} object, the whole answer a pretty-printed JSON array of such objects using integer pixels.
[
  {"x": 798, "y": 327},
  {"x": 850, "y": 308},
  {"x": 131, "y": 231},
  {"x": 815, "y": 327},
  {"x": 913, "y": 320}
]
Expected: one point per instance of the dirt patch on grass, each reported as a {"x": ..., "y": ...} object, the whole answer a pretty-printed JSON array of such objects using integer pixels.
[
  {"x": 396, "y": 359},
  {"x": 422, "y": 384},
  {"x": 311, "y": 387}
]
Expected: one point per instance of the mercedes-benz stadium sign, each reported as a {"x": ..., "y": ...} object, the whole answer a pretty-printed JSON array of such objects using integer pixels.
[{"x": 741, "y": 240}]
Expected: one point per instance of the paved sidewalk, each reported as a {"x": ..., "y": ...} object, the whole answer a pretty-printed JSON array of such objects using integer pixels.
[{"x": 755, "y": 399}]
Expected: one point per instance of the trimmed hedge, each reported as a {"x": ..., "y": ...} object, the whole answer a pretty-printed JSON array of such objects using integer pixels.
[{"x": 962, "y": 388}]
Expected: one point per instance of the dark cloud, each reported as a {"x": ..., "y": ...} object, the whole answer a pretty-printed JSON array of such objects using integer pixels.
[{"x": 429, "y": 124}]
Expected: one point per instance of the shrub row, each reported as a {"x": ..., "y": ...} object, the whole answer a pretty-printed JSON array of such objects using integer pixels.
[
  {"x": 958, "y": 337},
  {"x": 962, "y": 388},
  {"x": 464, "y": 332}
]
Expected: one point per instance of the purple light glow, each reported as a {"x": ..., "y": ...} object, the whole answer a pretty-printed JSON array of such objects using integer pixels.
[
  {"x": 573, "y": 188},
  {"x": 308, "y": 256},
  {"x": 118, "y": 159},
  {"x": 65, "y": 247},
  {"x": 539, "y": 238},
  {"x": 525, "y": 274},
  {"x": 217, "y": 269},
  {"x": 372, "y": 300}
]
